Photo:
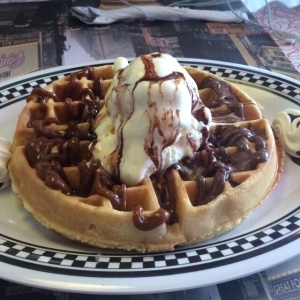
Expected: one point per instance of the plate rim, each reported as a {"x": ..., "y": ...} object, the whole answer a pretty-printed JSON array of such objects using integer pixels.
[
  {"x": 180, "y": 59},
  {"x": 191, "y": 61}
]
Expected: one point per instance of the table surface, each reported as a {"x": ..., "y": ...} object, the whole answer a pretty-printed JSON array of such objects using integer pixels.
[{"x": 62, "y": 39}]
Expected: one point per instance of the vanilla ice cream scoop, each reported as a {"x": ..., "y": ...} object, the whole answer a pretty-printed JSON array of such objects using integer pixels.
[
  {"x": 287, "y": 125},
  {"x": 152, "y": 118},
  {"x": 4, "y": 157}
]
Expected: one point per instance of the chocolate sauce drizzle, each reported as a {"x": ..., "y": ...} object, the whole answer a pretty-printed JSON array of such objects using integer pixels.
[
  {"x": 156, "y": 126},
  {"x": 51, "y": 151},
  {"x": 216, "y": 162},
  {"x": 224, "y": 96},
  {"x": 150, "y": 222},
  {"x": 42, "y": 95}
]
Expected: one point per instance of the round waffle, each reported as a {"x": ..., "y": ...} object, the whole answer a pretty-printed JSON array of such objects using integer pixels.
[{"x": 57, "y": 179}]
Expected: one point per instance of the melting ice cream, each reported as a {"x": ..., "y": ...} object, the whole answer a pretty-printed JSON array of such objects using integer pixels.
[{"x": 152, "y": 118}]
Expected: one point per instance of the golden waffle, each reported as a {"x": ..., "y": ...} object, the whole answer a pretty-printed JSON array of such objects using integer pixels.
[{"x": 59, "y": 182}]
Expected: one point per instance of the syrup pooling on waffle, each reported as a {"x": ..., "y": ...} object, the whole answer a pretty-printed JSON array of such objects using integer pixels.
[{"x": 51, "y": 152}]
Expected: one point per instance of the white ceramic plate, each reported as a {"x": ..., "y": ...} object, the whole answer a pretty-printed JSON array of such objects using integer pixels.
[{"x": 33, "y": 255}]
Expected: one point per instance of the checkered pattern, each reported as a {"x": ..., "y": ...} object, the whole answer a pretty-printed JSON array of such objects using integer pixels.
[
  {"x": 284, "y": 88},
  {"x": 204, "y": 256},
  {"x": 221, "y": 251},
  {"x": 23, "y": 88}
]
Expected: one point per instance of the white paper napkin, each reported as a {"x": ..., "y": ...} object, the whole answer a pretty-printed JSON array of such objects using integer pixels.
[{"x": 90, "y": 15}]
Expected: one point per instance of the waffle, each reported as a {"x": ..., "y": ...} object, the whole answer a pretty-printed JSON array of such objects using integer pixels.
[{"x": 57, "y": 179}]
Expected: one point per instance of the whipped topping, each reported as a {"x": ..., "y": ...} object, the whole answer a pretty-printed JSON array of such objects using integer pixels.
[
  {"x": 4, "y": 157},
  {"x": 146, "y": 124},
  {"x": 287, "y": 125}
]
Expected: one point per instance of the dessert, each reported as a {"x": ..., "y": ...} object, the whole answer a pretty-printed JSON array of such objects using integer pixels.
[
  {"x": 203, "y": 166},
  {"x": 4, "y": 157},
  {"x": 287, "y": 125},
  {"x": 148, "y": 122}
]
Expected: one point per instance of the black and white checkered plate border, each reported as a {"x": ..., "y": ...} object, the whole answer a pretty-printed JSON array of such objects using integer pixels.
[
  {"x": 127, "y": 264},
  {"x": 182, "y": 260}
]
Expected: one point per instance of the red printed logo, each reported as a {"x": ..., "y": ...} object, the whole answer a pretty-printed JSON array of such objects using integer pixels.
[{"x": 13, "y": 60}]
